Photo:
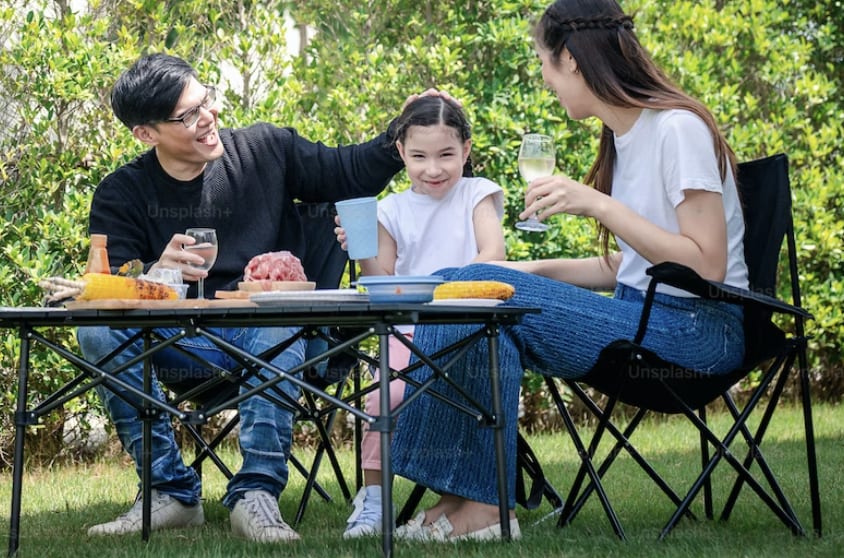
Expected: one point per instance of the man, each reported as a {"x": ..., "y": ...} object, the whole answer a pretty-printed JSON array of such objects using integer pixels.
[{"x": 242, "y": 183}]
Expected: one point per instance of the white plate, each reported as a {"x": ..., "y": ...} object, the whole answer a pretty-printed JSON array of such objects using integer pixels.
[
  {"x": 277, "y": 298},
  {"x": 466, "y": 302}
]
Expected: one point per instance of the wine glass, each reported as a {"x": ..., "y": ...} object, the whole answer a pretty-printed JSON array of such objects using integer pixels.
[
  {"x": 205, "y": 246},
  {"x": 536, "y": 159}
]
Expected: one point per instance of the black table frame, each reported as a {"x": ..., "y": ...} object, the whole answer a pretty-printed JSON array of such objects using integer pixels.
[{"x": 374, "y": 319}]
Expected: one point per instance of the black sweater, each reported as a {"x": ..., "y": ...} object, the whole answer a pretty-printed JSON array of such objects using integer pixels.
[{"x": 247, "y": 195}]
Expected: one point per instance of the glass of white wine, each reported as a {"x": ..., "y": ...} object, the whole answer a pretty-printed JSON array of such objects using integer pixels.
[
  {"x": 205, "y": 246},
  {"x": 536, "y": 159}
]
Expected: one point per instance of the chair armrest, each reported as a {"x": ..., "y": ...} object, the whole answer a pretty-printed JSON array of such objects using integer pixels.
[{"x": 685, "y": 278}]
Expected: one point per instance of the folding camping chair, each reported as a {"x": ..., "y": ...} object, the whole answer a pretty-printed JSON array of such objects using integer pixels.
[
  {"x": 628, "y": 373},
  {"x": 324, "y": 262}
]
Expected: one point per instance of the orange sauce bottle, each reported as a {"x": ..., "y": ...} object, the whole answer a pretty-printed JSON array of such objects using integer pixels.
[{"x": 98, "y": 255}]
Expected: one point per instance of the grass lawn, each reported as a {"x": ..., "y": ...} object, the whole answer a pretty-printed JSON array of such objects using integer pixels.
[{"x": 59, "y": 504}]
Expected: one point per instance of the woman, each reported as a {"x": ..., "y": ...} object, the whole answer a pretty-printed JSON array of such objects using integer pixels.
[{"x": 662, "y": 185}]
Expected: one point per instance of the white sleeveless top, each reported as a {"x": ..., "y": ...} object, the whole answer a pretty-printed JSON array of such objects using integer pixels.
[{"x": 431, "y": 233}]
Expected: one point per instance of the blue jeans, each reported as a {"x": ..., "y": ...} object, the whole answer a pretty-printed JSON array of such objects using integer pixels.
[
  {"x": 443, "y": 449},
  {"x": 266, "y": 429}
]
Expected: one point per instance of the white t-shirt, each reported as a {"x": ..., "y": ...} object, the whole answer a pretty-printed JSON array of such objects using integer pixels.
[
  {"x": 665, "y": 153},
  {"x": 432, "y": 234}
]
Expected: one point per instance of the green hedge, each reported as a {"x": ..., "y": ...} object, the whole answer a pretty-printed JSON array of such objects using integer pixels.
[{"x": 770, "y": 70}]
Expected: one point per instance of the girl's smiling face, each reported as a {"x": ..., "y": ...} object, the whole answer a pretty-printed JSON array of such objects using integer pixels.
[{"x": 434, "y": 157}]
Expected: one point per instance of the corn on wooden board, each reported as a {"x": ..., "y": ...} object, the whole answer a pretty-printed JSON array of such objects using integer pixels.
[
  {"x": 132, "y": 303},
  {"x": 100, "y": 286},
  {"x": 103, "y": 286}
]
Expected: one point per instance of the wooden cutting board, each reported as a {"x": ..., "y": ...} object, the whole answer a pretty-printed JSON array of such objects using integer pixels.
[
  {"x": 263, "y": 286},
  {"x": 246, "y": 288},
  {"x": 233, "y": 295},
  {"x": 130, "y": 304}
]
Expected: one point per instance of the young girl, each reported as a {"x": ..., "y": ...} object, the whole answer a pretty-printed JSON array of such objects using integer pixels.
[
  {"x": 444, "y": 220},
  {"x": 663, "y": 186}
]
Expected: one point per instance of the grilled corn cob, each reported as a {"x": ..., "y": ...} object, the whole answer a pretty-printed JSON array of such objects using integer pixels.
[
  {"x": 474, "y": 289},
  {"x": 100, "y": 285}
]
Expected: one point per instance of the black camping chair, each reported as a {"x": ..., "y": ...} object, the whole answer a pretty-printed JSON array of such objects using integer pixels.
[
  {"x": 630, "y": 374},
  {"x": 324, "y": 262}
]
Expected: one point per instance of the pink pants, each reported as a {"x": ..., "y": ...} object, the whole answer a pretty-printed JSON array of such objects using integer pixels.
[{"x": 371, "y": 441}]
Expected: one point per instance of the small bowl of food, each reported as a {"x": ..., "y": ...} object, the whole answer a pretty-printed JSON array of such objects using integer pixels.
[
  {"x": 388, "y": 288},
  {"x": 172, "y": 277},
  {"x": 181, "y": 289}
]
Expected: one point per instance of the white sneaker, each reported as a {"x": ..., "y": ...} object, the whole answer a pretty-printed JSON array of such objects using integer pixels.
[
  {"x": 256, "y": 517},
  {"x": 365, "y": 520},
  {"x": 167, "y": 513}
]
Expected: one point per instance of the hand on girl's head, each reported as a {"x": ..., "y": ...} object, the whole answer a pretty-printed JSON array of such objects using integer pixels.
[{"x": 431, "y": 92}]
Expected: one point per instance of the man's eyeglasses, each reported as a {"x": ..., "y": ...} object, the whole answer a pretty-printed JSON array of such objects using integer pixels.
[{"x": 190, "y": 116}]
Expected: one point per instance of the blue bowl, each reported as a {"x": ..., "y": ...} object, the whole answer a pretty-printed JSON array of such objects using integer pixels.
[{"x": 389, "y": 288}]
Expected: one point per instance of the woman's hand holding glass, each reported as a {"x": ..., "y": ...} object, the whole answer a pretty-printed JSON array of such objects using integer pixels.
[
  {"x": 548, "y": 193},
  {"x": 559, "y": 194}
]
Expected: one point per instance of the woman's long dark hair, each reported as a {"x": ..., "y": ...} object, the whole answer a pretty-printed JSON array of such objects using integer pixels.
[{"x": 620, "y": 72}]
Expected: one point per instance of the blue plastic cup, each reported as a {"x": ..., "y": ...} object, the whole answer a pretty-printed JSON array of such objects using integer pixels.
[{"x": 359, "y": 218}]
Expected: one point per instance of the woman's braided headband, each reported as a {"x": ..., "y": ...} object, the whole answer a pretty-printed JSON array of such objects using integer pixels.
[{"x": 582, "y": 24}]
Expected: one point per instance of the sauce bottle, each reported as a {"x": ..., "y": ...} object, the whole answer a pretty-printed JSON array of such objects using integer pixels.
[{"x": 98, "y": 255}]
